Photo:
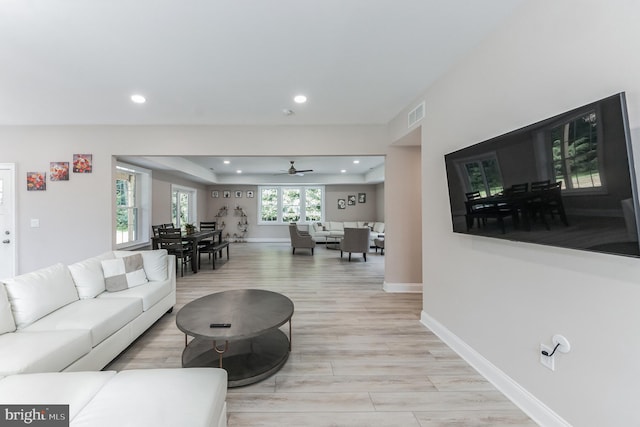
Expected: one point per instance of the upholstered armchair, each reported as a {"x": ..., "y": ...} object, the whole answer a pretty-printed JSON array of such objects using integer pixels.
[
  {"x": 355, "y": 240},
  {"x": 300, "y": 239}
]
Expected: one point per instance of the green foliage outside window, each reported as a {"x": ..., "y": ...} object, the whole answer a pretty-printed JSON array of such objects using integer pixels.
[
  {"x": 574, "y": 148},
  {"x": 290, "y": 205},
  {"x": 282, "y": 204},
  {"x": 269, "y": 204}
]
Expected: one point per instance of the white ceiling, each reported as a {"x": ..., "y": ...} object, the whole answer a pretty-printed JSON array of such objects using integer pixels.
[{"x": 71, "y": 62}]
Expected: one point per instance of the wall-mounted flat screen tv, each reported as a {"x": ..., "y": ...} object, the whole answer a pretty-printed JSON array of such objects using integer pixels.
[{"x": 565, "y": 181}]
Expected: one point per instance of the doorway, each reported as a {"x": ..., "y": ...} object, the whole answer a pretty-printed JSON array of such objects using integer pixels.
[{"x": 8, "y": 259}]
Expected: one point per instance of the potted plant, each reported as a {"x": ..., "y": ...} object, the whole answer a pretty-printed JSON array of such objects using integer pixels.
[{"x": 189, "y": 228}]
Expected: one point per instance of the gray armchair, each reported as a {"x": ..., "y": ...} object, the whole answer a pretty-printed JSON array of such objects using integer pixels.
[
  {"x": 300, "y": 239},
  {"x": 355, "y": 240}
]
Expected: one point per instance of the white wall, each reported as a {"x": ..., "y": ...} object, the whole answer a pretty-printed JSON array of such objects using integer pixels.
[
  {"x": 76, "y": 216},
  {"x": 502, "y": 298},
  {"x": 161, "y": 197}
]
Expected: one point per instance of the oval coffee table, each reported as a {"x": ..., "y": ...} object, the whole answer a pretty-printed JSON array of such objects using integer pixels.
[{"x": 252, "y": 348}]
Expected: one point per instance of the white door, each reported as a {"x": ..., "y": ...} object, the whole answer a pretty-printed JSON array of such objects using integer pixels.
[{"x": 7, "y": 221}]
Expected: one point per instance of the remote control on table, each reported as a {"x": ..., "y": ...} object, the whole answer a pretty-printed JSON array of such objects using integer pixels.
[{"x": 220, "y": 325}]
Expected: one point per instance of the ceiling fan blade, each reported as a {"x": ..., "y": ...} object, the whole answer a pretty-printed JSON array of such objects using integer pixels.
[{"x": 305, "y": 170}]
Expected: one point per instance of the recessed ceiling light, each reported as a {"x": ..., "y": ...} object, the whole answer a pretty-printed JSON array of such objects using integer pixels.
[
  {"x": 343, "y": 171},
  {"x": 355, "y": 162},
  {"x": 226, "y": 162},
  {"x": 300, "y": 99},
  {"x": 238, "y": 171},
  {"x": 138, "y": 99}
]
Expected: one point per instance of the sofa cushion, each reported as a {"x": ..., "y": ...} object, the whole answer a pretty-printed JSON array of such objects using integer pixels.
[
  {"x": 75, "y": 389},
  {"x": 350, "y": 224},
  {"x": 102, "y": 317},
  {"x": 150, "y": 294},
  {"x": 154, "y": 262},
  {"x": 336, "y": 226},
  {"x": 378, "y": 227},
  {"x": 6, "y": 318},
  {"x": 45, "y": 351},
  {"x": 36, "y": 294},
  {"x": 88, "y": 275},
  {"x": 123, "y": 273},
  {"x": 193, "y": 397}
]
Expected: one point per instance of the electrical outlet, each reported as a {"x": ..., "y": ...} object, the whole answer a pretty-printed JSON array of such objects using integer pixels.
[{"x": 547, "y": 362}]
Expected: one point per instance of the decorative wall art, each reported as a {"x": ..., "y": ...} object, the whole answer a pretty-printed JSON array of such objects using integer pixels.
[
  {"x": 250, "y": 194},
  {"x": 342, "y": 204},
  {"x": 351, "y": 200},
  {"x": 226, "y": 194},
  {"x": 36, "y": 181},
  {"x": 362, "y": 197},
  {"x": 59, "y": 171},
  {"x": 215, "y": 194},
  {"x": 238, "y": 194},
  {"x": 82, "y": 163}
]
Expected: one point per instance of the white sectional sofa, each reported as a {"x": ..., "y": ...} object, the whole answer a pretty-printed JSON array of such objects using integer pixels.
[
  {"x": 72, "y": 318},
  {"x": 193, "y": 397},
  {"x": 331, "y": 230}
]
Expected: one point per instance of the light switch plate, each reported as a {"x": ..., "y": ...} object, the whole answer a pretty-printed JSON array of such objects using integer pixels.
[{"x": 35, "y": 223}]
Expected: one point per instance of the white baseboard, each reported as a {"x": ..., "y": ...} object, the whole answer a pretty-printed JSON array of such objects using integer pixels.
[
  {"x": 527, "y": 402},
  {"x": 402, "y": 288}
]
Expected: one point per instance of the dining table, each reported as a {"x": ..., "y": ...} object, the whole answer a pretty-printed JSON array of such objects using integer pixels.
[{"x": 194, "y": 238}]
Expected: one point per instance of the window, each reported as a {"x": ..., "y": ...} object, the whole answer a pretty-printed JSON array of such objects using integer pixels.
[
  {"x": 285, "y": 204},
  {"x": 133, "y": 190},
  {"x": 183, "y": 206},
  {"x": 574, "y": 148},
  {"x": 481, "y": 174}
]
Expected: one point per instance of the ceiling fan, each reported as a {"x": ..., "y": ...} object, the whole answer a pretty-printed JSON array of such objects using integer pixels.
[{"x": 293, "y": 171}]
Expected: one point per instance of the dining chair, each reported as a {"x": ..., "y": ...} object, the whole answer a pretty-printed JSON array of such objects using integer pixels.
[
  {"x": 540, "y": 185},
  {"x": 518, "y": 188},
  {"x": 205, "y": 244},
  {"x": 552, "y": 203},
  {"x": 171, "y": 240}
]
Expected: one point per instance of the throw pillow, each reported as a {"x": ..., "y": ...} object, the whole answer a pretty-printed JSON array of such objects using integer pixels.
[
  {"x": 123, "y": 273},
  {"x": 36, "y": 294},
  {"x": 88, "y": 275}
]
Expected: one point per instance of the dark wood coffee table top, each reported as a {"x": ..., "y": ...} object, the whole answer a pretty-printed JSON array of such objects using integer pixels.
[{"x": 251, "y": 312}]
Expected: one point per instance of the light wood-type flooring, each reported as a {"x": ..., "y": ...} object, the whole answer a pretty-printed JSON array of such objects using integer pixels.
[{"x": 360, "y": 356}]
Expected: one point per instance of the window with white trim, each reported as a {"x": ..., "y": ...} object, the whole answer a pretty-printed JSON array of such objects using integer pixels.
[
  {"x": 576, "y": 153},
  {"x": 481, "y": 174},
  {"x": 285, "y": 204},
  {"x": 183, "y": 206},
  {"x": 133, "y": 202}
]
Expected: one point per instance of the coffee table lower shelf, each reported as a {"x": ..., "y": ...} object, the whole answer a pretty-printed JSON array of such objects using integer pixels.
[{"x": 246, "y": 361}]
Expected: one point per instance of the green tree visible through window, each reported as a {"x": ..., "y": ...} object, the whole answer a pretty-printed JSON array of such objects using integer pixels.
[
  {"x": 484, "y": 176},
  {"x": 126, "y": 210},
  {"x": 574, "y": 148},
  {"x": 269, "y": 204},
  {"x": 290, "y": 205},
  {"x": 313, "y": 204}
]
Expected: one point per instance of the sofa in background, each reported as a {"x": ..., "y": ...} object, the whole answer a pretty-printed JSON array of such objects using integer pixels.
[
  {"x": 72, "y": 318},
  {"x": 329, "y": 231},
  {"x": 194, "y": 397}
]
